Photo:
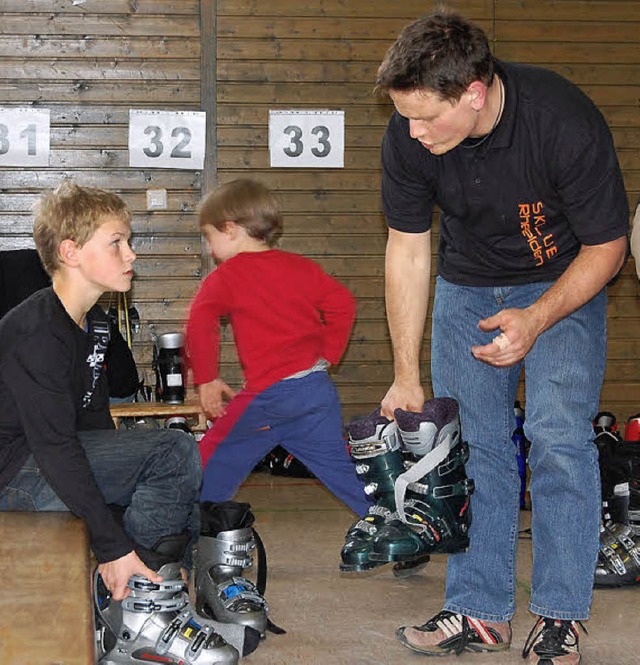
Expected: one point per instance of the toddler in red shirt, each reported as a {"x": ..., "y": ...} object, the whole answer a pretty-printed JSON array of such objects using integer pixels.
[{"x": 290, "y": 322}]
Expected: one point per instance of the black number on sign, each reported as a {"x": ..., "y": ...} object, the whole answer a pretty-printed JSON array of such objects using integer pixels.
[
  {"x": 322, "y": 133},
  {"x": 4, "y": 141},
  {"x": 157, "y": 147},
  {"x": 296, "y": 148},
  {"x": 179, "y": 150},
  {"x": 295, "y": 134},
  {"x": 30, "y": 134}
]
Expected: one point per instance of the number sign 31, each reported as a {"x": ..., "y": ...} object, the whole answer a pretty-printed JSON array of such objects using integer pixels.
[
  {"x": 167, "y": 139},
  {"x": 306, "y": 138},
  {"x": 24, "y": 137}
]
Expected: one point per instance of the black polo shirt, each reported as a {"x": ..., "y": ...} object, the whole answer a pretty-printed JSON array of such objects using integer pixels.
[{"x": 516, "y": 207}]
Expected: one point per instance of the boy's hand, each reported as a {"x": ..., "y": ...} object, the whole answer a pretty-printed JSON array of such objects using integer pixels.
[
  {"x": 212, "y": 397},
  {"x": 115, "y": 574}
]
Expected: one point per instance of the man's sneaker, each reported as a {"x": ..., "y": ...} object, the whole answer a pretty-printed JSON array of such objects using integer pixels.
[
  {"x": 553, "y": 642},
  {"x": 450, "y": 632}
]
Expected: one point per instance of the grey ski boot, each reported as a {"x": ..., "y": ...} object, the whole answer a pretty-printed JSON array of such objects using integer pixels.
[
  {"x": 619, "y": 554},
  {"x": 618, "y": 558},
  {"x": 225, "y": 549},
  {"x": 156, "y": 622}
]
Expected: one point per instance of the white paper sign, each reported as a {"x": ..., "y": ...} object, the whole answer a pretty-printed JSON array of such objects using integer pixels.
[
  {"x": 306, "y": 138},
  {"x": 25, "y": 137},
  {"x": 167, "y": 139}
]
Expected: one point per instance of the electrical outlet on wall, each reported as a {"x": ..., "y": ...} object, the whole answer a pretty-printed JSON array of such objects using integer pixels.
[{"x": 156, "y": 199}]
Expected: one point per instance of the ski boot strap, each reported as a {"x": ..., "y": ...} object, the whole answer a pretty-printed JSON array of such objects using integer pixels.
[
  {"x": 237, "y": 589},
  {"x": 181, "y": 622},
  {"x": 234, "y": 548},
  {"x": 140, "y": 583},
  {"x": 461, "y": 488},
  {"x": 149, "y": 606},
  {"x": 367, "y": 448},
  {"x": 613, "y": 560},
  {"x": 419, "y": 470}
]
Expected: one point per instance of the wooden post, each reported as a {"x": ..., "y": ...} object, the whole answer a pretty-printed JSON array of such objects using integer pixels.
[{"x": 208, "y": 103}]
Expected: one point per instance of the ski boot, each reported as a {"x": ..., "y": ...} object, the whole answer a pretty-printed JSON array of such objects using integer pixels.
[
  {"x": 522, "y": 447},
  {"x": 615, "y": 472},
  {"x": 375, "y": 447},
  {"x": 626, "y": 455},
  {"x": 605, "y": 421},
  {"x": 618, "y": 558},
  {"x": 156, "y": 622},
  {"x": 634, "y": 486},
  {"x": 432, "y": 496},
  {"x": 225, "y": 548}
]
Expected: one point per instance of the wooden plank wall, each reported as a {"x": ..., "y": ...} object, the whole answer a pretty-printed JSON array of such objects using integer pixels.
[
  {"x": 89, "y": 63},
  {"x": 93, "y": 61},
  {"x": 279, "y": 54}
]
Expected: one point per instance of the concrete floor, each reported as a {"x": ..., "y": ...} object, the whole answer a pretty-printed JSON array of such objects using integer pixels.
[{"x": 336, "y": 619}]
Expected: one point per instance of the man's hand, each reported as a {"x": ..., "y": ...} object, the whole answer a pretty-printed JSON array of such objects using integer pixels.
[
  {"x": 517, "y": 330},
  {"x": 115, "y": 574},
  {"x": 212, "y": 397},
  {"x": 402, "y": 396}
]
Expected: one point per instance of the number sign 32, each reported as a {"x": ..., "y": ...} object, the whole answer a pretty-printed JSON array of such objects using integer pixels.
[
  {"x": 306, "y": 138},
  {"x": 167, "y": 139}
]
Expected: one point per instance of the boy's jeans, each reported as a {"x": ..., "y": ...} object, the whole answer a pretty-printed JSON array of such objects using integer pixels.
[
  {"x": 157, "y": 473},
  {"x": 564, "y": 372}
]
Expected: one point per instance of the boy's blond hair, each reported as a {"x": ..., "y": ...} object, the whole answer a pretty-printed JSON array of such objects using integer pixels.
[
  {"x": 72, "y": 212},
  {"x": 246, "y": 202}
]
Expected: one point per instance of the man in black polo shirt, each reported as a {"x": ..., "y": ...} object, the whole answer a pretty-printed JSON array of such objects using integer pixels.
[{"x": 533, "y": 226}]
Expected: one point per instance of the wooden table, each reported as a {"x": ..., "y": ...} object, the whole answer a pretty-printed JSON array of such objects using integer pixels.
[
  {"x": 190, "y": 410},
  {"x": 46, "y": 611}
]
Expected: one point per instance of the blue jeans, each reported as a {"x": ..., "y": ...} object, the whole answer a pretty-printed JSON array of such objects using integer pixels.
[
  {"x": 156, "y": 474},
  {"x": 564, "y": 371},
  {"x": 302, "y": 415}
]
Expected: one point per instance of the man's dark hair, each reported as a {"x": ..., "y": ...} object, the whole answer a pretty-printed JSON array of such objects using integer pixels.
[{"x": 441, "y": 52}]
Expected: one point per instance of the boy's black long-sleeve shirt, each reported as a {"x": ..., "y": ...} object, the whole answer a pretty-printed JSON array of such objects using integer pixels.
[{"x": 49, "y": 390}]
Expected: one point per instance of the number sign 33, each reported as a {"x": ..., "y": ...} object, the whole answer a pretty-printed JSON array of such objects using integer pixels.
[
  {"x": 306, "y": 138},
  {"x": 167, "y": 139}
]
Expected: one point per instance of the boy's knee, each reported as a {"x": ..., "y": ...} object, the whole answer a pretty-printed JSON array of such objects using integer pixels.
[
  {"x": 184, "y": 449},
  {"x": 187, "y": 448}
]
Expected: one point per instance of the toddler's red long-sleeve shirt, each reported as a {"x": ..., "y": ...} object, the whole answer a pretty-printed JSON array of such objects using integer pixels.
[{"x": 285, "y": 311}]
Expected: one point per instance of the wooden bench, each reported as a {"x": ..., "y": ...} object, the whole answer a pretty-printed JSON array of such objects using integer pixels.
[
  {"x": 46, "y": 610},
  {"x": 190, "y": 410}
]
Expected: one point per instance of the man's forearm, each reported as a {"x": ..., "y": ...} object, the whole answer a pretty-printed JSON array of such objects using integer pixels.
[
  {"x": 407, "y": 277},
  {"x": 587, "y": 275}
]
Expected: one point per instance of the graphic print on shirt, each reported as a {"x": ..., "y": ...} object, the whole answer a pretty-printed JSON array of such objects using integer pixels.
[
  {"x": 532, "y": 222},
  {"x": 95, "y": 360}
]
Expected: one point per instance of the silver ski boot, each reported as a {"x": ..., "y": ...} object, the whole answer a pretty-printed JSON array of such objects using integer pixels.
[
  {"x": 618, "y": 558},
  {"x": 225, "y": 549},
  {"x": 155, "y": 624}
]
